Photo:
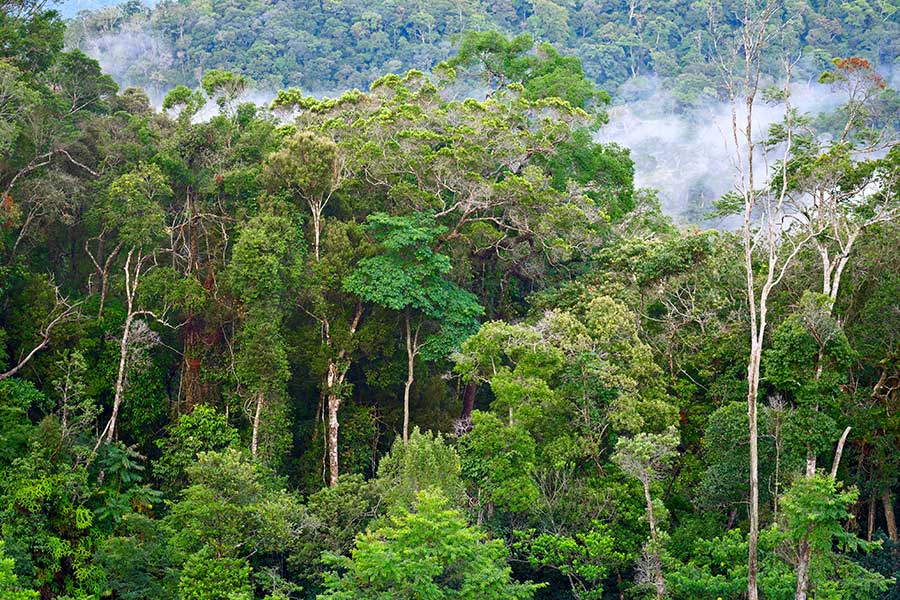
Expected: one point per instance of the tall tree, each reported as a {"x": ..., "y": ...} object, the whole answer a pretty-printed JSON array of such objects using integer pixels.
[
  {"x": 408, "y": 276},
  {"x": 646, "y": 457},
  {"x": 264, "y": 273},
  {"x": 133, "y": 208},
  {"x": 760, "y": 199}
]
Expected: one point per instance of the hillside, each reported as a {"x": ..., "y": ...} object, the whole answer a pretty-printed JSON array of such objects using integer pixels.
[{"x": 322, "y": 45}]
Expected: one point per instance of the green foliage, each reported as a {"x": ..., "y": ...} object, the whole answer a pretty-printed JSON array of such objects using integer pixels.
[
  {"x": 133, "y": 205},
  {"x": 409, "y": 276},
  {"x": 266, "y": 260},
  {"x": 202, "y": 430},
  {"x": 646, "y": 456},
  {"x": 232, "y": 508},
  {"x": 353, "y": 43},
  {"x": 17, "y": 397},
  {"x": 9, "y": 582},
  {"x": 809, "y": 352},
  {"x": 586, "y": 557},
  {"x": 498, "y": 460},
  {"x": 429, "y": 552},
  {"x": 332, "y": 519},
  {"x": 206, "y": 576},
  {"x": 542, "y": 74},
  {"x": 138, "y": 562},
  {"x": 307, "y": 164},
  {"x": 424, "y": 462},
  {"x": 278, "y": 252},
  {"x": 815, "y": 510},
  {"x": 224, "y": 86}
]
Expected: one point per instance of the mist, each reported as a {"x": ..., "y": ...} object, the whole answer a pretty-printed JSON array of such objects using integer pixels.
[{"x": 688, "y": 156}]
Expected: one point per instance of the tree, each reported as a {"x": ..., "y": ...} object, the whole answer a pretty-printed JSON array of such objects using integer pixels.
[
  {"x": 427, "y": 552},
  {"x": 231, "y": 507},
  {"x": 408, "y": 276},
  {"x": 201, "y": 430},
  {"x": 645, "y": 457},
  {"x": 263, "y": 273},
  {"x": 133, "y": 208},
  {"x": 740, "y": 60},
  {"x": 815, "y": 509},
  {"x": 424, "y": 461},
  {"x": 62, "y": 311},
  {"x": 498, "y": 461},
  {"x": 312, "y": 167},
  {"x": 223, "y": 86}
]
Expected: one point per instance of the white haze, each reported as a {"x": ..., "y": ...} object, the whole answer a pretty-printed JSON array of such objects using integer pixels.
[{"x": 688, "y": 157}]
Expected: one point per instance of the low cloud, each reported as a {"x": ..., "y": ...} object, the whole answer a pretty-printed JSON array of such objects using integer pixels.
[{"x": 689, "y": 157}]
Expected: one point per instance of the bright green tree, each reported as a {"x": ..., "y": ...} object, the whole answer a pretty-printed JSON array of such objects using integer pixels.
[
  {"x": 429, "y": 552},
  {"x": 409, "y": 277}
]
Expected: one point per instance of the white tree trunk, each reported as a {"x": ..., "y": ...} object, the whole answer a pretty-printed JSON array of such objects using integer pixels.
[
  {"x": 254, "y": 441},
  {"x": 131, "y": 284}
]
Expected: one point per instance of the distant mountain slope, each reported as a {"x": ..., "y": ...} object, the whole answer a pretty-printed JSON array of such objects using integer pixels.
[
  {"x": 70, "y": 8},
  {"x": 337, "y": 44}
]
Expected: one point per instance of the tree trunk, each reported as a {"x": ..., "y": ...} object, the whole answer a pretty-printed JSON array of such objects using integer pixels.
[
  {"x": 131, "y": 285},
  {"x": 334, "y": 378},
  {"x": 315, "y": 208},
  {"x": 120, "y": 378},
  {"x": 753, "y": 535},
  {"x": 254, "y": 442},
  {"x": 410, "y": 366},
  {"x": 805, "y": 552},
  {"x": 870, "y": 526},
  {"x": 887, "y": 501},
  {"x": 334, "y": 403},
  {"x": 657, "y": 565},
  {"x": 468, "y": 403}
]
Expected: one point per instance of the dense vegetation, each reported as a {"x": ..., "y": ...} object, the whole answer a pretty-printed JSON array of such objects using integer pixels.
[
  {"x": 341, "y": 44},
  {"x": 405, "y": 344}
]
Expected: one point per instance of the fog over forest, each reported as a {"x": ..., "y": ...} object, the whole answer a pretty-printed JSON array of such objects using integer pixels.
[{"x": 680, "y": 151}]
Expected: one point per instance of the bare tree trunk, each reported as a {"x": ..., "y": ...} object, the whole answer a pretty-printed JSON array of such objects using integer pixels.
[
  {"x": 839, "y": 452},
  {"x": 468, "y": 403},
  {"x": 870, "y": 526},
  {"x": 651, "y": 520},
  {"x": 334, "y": 377},
  {"x": 753, "y": 535},
  {"x": 334, "y": 403},
  {"x": 254, "y": 441},
  {"x": 887, "y": 501},
  {"x": 315, "y": 208},
  {"x": 130, "y": 289},
  {"x": 412, "y": 342},
  {"x": 120, "y": 377}
]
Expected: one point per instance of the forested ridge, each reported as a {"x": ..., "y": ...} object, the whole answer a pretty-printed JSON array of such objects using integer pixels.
[
  {"x": 341, "y": 44},
  {"x": 407, "y": 343}
]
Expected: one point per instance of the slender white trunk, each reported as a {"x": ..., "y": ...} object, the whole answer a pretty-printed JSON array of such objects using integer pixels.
[
  {"x": 254, "y": 441},
  {"x": 120, "y": 379},
  {"x": 334, "y": 378},
  {"x": 130, "y": 289},
  {"x": 411, "y": 350},
  {"x": 334, "y": 403},
  {"x": 659, "y": 582}
]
